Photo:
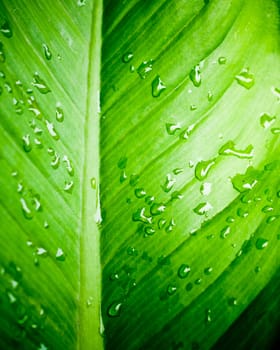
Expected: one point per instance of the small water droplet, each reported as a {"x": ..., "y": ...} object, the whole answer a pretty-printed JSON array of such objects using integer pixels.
[
  {"x": 232, "y": 301},
  {"x": 267, "y": 209},
  {"x": 46, "y": 225},
  {"x": 242, "y": 213},
  {"x": 208, "y": 315},
  {"x": 2, "y": 75},
  {"x": 229, "y": 149},
  {"x": 183, "y": 271},
  {"x": 47, "y": 51},
  {"x": 140, "y": 192},
  {"x": 272, "y": 218},
  {"x": 55, "y": 161},
  {"x": 198, "y": 281},
  {"x": 25, "y": 209},
  {"x": 93, "y": 183},
  {"x": 158, "y": 86},
  {"x": 40, "y": 84},
  {"x": 195, "y": 76},
  {"x": 12, "y": 299},
  {"x": 176, "y": 195},
  {"x": 81, "y": 3},
  {"x": 68, "y": 187},
  {"x": 168, "y": 184},
  {"x": 178, "y": 171},
  {"x": 149, "y": 230},
  {"x": 8, "y": 87},
  {"x": 127, "y": 57},
  {"x": 2, "y": 54},
  {"x": 132, "y": 68},
  {"x": 171, "y": 289},
  {"x": 36, "y": 202},
  {"x": 202, "y": 168},
  {"x": 114, "y": 310},
  {"x": 275, "y": 131},
  {"x": 20, "y": 187},
  {"x": 123, "y": 176},
  {"x": 222, "y": 60},
  {"x": 139, "y": 215},
  {"x": 38, "y": 143},
  {"x": 68, "y": 165},
  {"x": 210, "y": 96},
  {"x": 144, "y": 68},
  {"x": 161, "y": 223},
  {"x": 6, "y": 30},
  {"x": 203, "y": 208},
  {"x": 225, "y": 232},
  {"x": 186, "y": 133},
  {"x": 122, "y": 163},
  {"x": 89, "y": 301},
  {"x": 53, "y": 133},
  {"x": 41, "y": 252},
  {"x": 261, "y": 243},
  {"x": 189, "y": 286},
  {"x": 114, "y": 276},
  {"x": 245, "y": 79},
  {"x": 59, "y": 114},
  {"x": 149, "y": 199},
  {"x": 60, "y": 256},
  {"x": 266, "y": 120},
  {"x": 208, "y": 270},
  {"x": 134, "y": 178},
  {"x": 230, "y": 219},
  {"x": 132, "y": 251},
  {"x": 157, "y": 209},
  {"x": 171, "y": 128},
  {"x": 206, "y": 188},
  {"x": 170, "y": 226}
]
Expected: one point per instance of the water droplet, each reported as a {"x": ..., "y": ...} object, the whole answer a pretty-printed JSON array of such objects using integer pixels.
[
  {"x": 242, "y": 213},
  {"x": 122, "y": 163},
  {"x": 41, "y": 252},
  {"x": 225, "y": 232},
  {"x": 261, "y": 243},
  {"x": 127, "y": 57},
  {"x": 139, "y": 215},
  {"x": 198, "y": 281},
  {"x": 60, "y": 255},
  {"x": 132, "y": 68},
  {"x": 183, "y": 271},
  {"x": 266, "y": 120},
  {"x": 149, "y": 199},
  {"x": 203, "y": 208},
  {"x": 140, "y": 192},
  {"x": 230, "y": 219},
  {"x": 272, "y": 218},
  {"x": 229, "y": 149},
  {"x": 245, "y": 79},
  {"x": 55, "y": 161},
  {"x": 68, "y": 165},
  {"x": 186, "y": 133},
  {"x": 46, "y": 225},
  {"x": 176, "y": 195},
  {"x": 267, "y": 209},
  {"x": 6, "y": 30},
  {"x": 12, "y": 299},
  {"x": 20, "y": 187},
  {"x": 222, "y": 60},
  {"x": 206, "y": 188},
  {"x": 247, "y": 181},
  {"x": 8, "y": 88},
  {"x": 208, "y": 270},
  {"x": 177, "y": 171},
  {"x": 132, "y": 251},
  {"x": 232, "y": 302},
  {"x": 68, "y": 187},
  {"x": 53, "y": 133},
  {"x": 195, "y": 76},
  {"x": 89, "y": 301},
  {"x": 47, "y": 52},
  {"x": 210, "y": 96},
  {"x": 36, "y": 202},
  {"x": 2, "y": 54},
  {"x": 275, "y": 131},
  {"x": 114, "y": 310},
  {"x": 170, "y": 226},
  {"x": 171, "y": 289},
  {"x": 171, "y": 128},
  {"x": 93, "y": 183},
  {"x": 144, "y": 68},
  {"x": 157, "y": 208},
  {"x": 114, "y": 276},
  {"x": 168, "y": 184},
  {"x": 161, "y": 223},
  {"x": 189, "y": 286},
  {"x": 149, "y": 230},
  {"x": 123, "y": 176},
  {"x": 40, "y": 84},
  {"x": 134, "y": 178},
  {"x": 38, "y": 143},
  {"x": 202, "y": 168},
  {"x": 208, "y": 315},
  {"x": 158, "y": 86},
  {"x": 25, "y": 209},
  {"x": 59, "y": 114},
  {"x": 42, "y": 347}
]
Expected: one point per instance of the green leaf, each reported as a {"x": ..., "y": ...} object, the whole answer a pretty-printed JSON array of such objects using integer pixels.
[{"x": 139, "y": 179}]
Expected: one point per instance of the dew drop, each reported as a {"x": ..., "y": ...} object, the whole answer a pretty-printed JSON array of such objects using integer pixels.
[
  {"x": 40, "y": 84},
  {"x": 267, "y": 209},
  {"x": 206, "y": 188},
  {"x": 247, "y": 181},
  {"x": 53, "y": 133},
  {"x": 25, "y": 209},
  {"x": 123, "y": 176},
  {"x": 208, "y": 270},
  {"x": 229, "y": 149},
  {"x": 242, "y": 213},
  {"x": 41, "y": 252},
  {"x": 266, "y": 120},
  {"x": 161, "y": 223},
  {"x": 202, "y": 168},
  {"x": 230, "y": 219},
  {"x": 38, "y": 143},
  {"x": 60, "y": 255},
  {"x": 46, "y": 225},
  {"x": 210, "y": 96},
  {"x": 132, "y": 68},
  {"x": 183, "y": 271},
  {"x": 2, "y": 54},
  {"x": 12, "y": 299},
  {"x": 198, "y": 281},
  {"x": 272, "y": 218},
  {"x": 176, "y": 195},
  {"x": 275, "y": 131},
  {"x": 139, "y": 215},
  {"x": 55, "y": 161},
  {"x": 149, "y": 199},
  {"x": 171, "y": 128},
  {"x": 47, "y": 51},
  {"x": 157, "y": 209},
  {"x": 261, "y": 243},
  {"x": 170, "y": 226},
  {"x": 245, "y": 79},
  {"x": 122, "y": 163},
  {"x": 127, "y": 57},
  {"x": 203, "y": 208},
  {"x": 68, "y": 165},
  {"x": 177, "y": 171},
  {"x": 20, "y": 187},
  {"x": 225, "y": 232},
  {"x": 144, "y": 68},
  {"x": 208, "y": 315},
  {"x": 59, "y": 114},
  {"x": 8, "y": 88},
  {"x": 171, "y": 289},
  {"x": 168, "y": 184},
  {"x": 93, "y": 183},
  {"x": 189, "y": 286},
  {"x": 68, "y": 187},
  {"x": 114, "y": 310},
  {"x": 195, "y": 76},
  {"x": 222, "y": 60},
  {"x": 140, "y": 192},
  {"x": 158, "y": 86},
  {"x": 6, "y": 30},
  {"x": 36, "y": 202},
  {"x": 232, "y": 301},
  {"x": 134, "y": 178}
]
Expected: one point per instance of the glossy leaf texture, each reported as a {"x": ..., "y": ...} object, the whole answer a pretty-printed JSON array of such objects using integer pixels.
[{"x": 189, "y": 174}]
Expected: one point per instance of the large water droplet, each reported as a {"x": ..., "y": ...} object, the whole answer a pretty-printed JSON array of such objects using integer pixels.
[
  {"x": 158, "y": 86},
  {"x": 47, "y": 52},
  {"x": 206, "y": 188},
  {"x": 261, "y": 243},
  {"x": 267, "y": 209},
  {"x": 168, "y": 184},
  {"x": 127, "y": 57},
  {"x": 139, "y": 215},
  {"x": 6, "y": 30},
  {"x": 245, "y": 79},
  {"x": 195, "y": 76},
  {"x": 266, "y": 120},
  {"x": 225, "y": 232},
  {"x": 222, "y": 60},
  {"x": 203, "y": 208},
  {"x": 183, "y": 271},
  {"x": 144, "y": 68},
  {"x": 114, "y": 310},
  {"x": 202, "y": 168},
  {"x": 244, "y": 182},
  {"x": 40, "y": 84},
  {"x": 229, "y": 149}
]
